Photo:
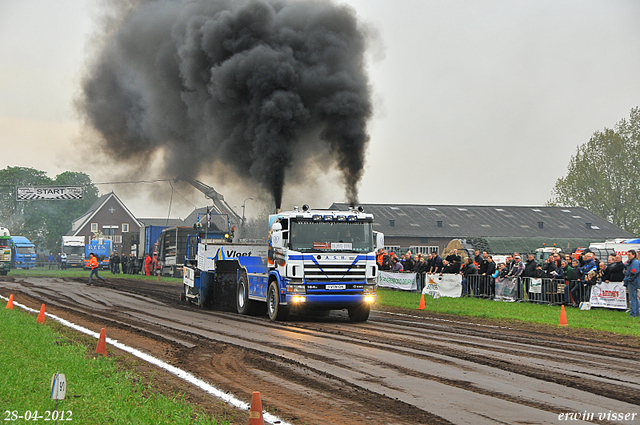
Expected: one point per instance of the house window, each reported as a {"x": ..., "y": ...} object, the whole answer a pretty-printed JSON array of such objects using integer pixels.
[
  {"x": 125, "y": 227},
  {"x": 94, "y": 227},
  {"x": 109, "y": 231}
]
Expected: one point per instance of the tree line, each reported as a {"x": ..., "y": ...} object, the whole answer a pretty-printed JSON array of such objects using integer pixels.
[
  {"x": 604, "y": 175},
  {"x": 43, "y": 222}
]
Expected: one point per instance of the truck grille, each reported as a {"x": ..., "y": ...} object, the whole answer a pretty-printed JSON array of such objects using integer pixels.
[{"x": 331, "y": 272}]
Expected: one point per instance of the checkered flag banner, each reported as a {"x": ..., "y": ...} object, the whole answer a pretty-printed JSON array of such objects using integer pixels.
[{"x": 48, "y": 193}]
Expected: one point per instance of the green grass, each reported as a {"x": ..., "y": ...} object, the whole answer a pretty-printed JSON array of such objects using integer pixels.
[
  {"x": 600, "y": 319},
  {"x": 45, "y": 272},
  {"x": 99, "y": 390}
]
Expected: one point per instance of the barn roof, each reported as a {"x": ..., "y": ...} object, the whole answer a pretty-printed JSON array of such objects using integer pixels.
[{"x": 472, "y": 221}]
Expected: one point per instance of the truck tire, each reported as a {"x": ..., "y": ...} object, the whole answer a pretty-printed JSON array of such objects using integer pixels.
[
  {"x": 275, "y": 310},
  {"x": 243, "y": 304},
  {"x": 359, "y": 313}
]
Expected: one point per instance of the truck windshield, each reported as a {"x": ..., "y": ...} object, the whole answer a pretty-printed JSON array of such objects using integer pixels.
[
  {"x": 314, "y": 236},
  {"x": 73, "y": 250},
  {"x": 4, "y": 242},
  {"x": 25, "y": 250}
]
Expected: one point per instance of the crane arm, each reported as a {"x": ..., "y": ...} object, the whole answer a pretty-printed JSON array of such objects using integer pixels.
[{"x": 219, "y": 203}]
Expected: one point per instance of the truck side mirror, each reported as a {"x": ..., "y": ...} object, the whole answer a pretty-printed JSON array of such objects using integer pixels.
[
  {"x": 379, "y": 240},
  {"x": 276, "y": 235}
]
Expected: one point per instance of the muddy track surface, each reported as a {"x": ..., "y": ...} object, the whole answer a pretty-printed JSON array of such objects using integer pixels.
[{"x": 397, "y": 368}]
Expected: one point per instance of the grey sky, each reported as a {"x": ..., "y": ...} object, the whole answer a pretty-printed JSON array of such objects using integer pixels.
[{"x": 475, "y": 102}]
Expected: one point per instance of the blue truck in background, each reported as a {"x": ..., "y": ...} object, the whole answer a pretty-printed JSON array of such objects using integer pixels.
[
  {"x": 102, "y": 250},
  {"x": 23, "y": 253}
]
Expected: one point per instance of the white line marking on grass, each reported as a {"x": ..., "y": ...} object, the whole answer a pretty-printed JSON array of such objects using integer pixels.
[{"x": 268, "y": 417}]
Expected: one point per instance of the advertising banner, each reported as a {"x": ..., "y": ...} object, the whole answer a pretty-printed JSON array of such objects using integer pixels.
[
  {"x": 609, "y": 295},
  {"x": 403, "y": 281},
  {"x": 446, "y": 285},
  {"x": 535, "y": 286},
  {"x": 505, "y": 288}
]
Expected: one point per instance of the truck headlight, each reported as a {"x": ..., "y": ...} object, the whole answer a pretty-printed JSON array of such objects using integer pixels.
[
  {"x": 368, "y": 299},
  {"x": 296, "y": 289},
  {"x": 299, "y": 299},
  {"x": 369, "y": 289}
]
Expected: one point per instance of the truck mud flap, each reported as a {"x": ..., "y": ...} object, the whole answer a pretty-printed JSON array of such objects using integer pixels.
[{"x": 220, "y": 291}]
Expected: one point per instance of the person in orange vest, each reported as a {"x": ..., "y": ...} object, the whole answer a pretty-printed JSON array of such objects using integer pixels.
[
  {"x": 93, "y": 263},
  {"x": 147, "y": 265}
]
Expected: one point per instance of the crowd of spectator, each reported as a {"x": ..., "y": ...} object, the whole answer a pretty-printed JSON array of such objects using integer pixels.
[{"x": 567, "y": 278}]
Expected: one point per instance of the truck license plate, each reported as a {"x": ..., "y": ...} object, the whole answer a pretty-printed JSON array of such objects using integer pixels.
[{"x": 336, "y": 286}]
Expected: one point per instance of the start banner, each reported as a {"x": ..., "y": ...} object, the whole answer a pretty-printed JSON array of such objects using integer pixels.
[
  {"x": 48, "y": 193},
  {"x": 445, "y": 285},
  {"x": 403, "y": 281},
  {"x": 609, "y": 295}
]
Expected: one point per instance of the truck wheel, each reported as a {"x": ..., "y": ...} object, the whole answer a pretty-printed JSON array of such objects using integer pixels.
[
  {"x": 243, "y": 304},
  {"x": 275, "y": 310},
  {"x": 3, "y": 273},
  {"x": 359, "y": 313}
]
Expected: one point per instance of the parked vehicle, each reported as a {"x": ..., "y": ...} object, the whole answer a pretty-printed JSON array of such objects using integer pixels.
[
  {"x": 619, "y": 247},
  {"x": 5, "y": 251},
  {"x": 102, "y": 250},
  {"x": 23, "y": 253},
  {"x": 74, "y": 247}
]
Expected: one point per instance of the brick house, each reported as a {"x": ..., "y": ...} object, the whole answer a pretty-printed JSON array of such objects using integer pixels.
[{"x": 108, "y": 218}]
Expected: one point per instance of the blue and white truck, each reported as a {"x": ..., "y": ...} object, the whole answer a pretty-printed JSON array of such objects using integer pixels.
[
  {"x": 23, "y": 253},
  {"x": 315, "y": 260}
]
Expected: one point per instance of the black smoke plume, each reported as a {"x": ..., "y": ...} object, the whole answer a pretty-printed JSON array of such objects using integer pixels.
[{"x": 252, "y": 84}]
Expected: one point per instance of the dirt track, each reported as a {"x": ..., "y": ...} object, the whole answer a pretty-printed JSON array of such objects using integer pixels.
[{"x": 394, "y": 369}]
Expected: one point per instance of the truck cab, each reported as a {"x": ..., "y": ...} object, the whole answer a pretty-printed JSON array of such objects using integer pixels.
[
  {"x": 325, "y": 260},
  {"x": 23, "y": 253},
  {"x": 74, "y": 247}
]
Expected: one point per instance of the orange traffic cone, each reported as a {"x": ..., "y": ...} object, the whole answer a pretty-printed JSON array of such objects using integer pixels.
[
  {"x": 41, "y": 315},
  {"x": 10, "y": 302},
  {"x": 563, "y": 317},
  {"x": 421, "y": 306},
  {"x": 102, "y": 343},
  {"x": 255, "y": 414}
]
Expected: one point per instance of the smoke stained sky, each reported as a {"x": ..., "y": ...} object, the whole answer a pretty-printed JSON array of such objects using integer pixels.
[
  {"x": 239, "y": 82},
  {"x": 473, "y": 102}
]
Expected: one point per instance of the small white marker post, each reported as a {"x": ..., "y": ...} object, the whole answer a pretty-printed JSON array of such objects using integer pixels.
[{"x": 58, "y": 389}]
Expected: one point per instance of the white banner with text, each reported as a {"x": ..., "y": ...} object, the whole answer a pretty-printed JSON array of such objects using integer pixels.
[
  {"x": 609, "y": 295},
  {"x": 445, "y": 285},
  {"x": 402, "y": 281}
]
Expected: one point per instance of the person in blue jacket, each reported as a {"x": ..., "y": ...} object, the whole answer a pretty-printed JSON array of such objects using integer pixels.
[{"x": 631, "y": 281}]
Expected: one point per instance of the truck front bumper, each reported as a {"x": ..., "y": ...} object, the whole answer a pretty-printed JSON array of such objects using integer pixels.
[{"x": 330, "y": 301}]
